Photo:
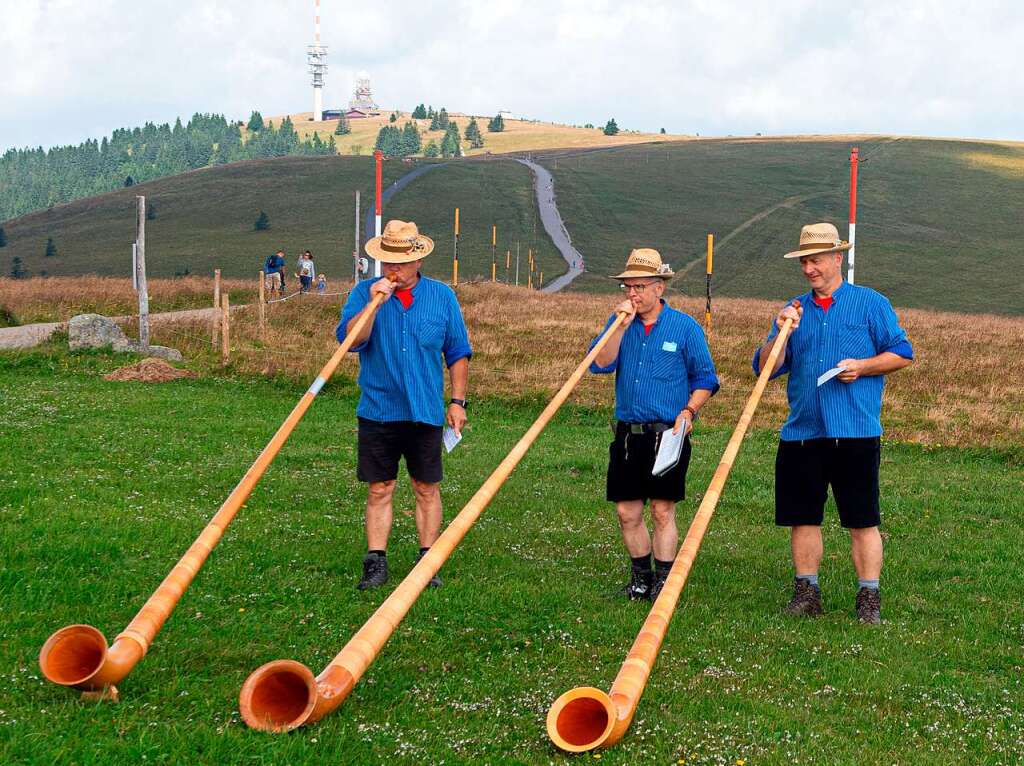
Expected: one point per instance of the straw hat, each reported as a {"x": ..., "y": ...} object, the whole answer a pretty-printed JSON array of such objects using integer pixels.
[
  {"x": 401, "y": 242},
  {"x": 645, "y": 262},
  {"x": 818, "y": 238}
]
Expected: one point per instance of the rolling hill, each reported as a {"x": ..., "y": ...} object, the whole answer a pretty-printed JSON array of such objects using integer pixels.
[{"x": 939, "y": 220}]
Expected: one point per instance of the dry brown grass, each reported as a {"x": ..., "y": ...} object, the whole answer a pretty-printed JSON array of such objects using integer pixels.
[
  {"x": 518, "y": 136},
  {"x": 964, "y": 389}
]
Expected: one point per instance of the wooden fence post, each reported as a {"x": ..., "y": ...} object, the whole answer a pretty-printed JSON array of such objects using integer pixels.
[
  {"x": 225, "y": 333},
  {"x": 216, "y": 306},
  {"x": 263, "y": 307}
]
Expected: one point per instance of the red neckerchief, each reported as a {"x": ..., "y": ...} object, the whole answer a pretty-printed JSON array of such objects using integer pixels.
[
  {"x": 823, "y": 303},
  {"x": 405, "y": 296}
]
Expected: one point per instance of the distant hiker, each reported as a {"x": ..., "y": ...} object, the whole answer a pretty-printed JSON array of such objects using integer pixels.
[
  {"x": 307, "y": 271},
  {"x": 832, "y": 434},
  {"x": 401, "y": 408},
  {"x": 275, "y": 266},
  {"x": 321, "y": 283},
  {"x": 663, "y": 376}
]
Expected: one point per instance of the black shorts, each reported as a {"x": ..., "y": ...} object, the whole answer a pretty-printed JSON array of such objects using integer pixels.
[
  {"x": 630, "y": 459},
  {"x": 382, "y": 444},
  {"x": 804, "y": 470}
]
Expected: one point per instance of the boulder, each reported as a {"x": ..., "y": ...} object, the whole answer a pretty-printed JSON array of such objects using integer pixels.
[{"x": 98, "y": 331}]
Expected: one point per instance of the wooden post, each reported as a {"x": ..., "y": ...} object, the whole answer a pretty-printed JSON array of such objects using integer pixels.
[
  {"x": 355, "y": 246},
  {"x": 494, "y": 245},
  {"x": 707, "y": 307},
  {"x": 263, "y": 306},
  {"x": 225, "y": 333},
  {"x": 541, "y": 284},
  {"x": 140, "y": 254},
  {"x": 455, "y": 259},
  {"x": 216, "y": 306}
]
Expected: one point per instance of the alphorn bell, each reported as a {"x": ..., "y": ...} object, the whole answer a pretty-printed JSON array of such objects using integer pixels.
[
  {"x": 78, "y": 655},
  {"x": 283, "y": 694},
  {"x": 586, "y": 718}
]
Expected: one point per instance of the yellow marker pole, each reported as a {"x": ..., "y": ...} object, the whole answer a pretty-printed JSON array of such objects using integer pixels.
[
  {"x": 508, "y": 264},
  {"x": 455, "y": 259},
  {"x": 494, "y": 244},
  {"x": 707, "y": 306}
]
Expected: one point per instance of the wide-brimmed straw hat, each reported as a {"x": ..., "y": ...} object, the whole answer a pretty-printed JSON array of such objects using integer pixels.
[
  {"x": 818, "y": 238},
  {"x": 401, "y": 242},
  {"x": 645, "y": 262}
]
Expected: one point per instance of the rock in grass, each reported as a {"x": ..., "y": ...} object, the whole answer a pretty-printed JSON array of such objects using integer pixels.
[{"x": 98, "y": 331}]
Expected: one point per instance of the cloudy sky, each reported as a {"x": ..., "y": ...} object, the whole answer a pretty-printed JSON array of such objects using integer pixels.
[{"x": 71, "y": 70}]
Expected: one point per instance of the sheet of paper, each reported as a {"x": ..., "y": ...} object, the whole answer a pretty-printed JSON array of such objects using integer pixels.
[
  {"x": 669, "y": 450},
  {"x": 825, "y": 377},
  {"x": 450, "y": 438}
]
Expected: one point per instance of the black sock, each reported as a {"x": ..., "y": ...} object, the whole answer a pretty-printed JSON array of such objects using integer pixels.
[
  {"x": 642, "y": 563},
  {"x": 377, "y": 552},
  {"x": 423, "y": 551},
  {"x": 663, "y": 567}
]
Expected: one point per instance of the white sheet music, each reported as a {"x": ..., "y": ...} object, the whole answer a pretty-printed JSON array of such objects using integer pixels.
[
  {"x": 669, "y": 450},
  {"x": 450, "y": 438}
]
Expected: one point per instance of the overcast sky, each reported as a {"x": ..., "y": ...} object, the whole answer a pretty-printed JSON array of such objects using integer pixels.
[{"x": 71, "y": 70}]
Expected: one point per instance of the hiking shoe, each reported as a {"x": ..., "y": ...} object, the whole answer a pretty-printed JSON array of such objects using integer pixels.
[
  {"x": 869, "y": 606},
  {"x": 639, "y": 588},
  {"x": 658, "y": 584},
  {"x": 806, "y": 599},
  {"x": 375, "y": 571},
  {"x": 435, "y": 581}
]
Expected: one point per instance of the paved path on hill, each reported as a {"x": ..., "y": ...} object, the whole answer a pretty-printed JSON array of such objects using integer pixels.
[
  {"x": 544, "y": 186},
  {"x": 385, "y": 198}
]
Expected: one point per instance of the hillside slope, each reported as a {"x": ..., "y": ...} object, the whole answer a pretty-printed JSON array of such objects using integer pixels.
[{"x": 939, "y": 222}]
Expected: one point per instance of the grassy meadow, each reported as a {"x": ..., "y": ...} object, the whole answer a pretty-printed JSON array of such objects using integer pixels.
[
  {"x": 103, "y": 485},
  {"x": 938, "y": 221}
]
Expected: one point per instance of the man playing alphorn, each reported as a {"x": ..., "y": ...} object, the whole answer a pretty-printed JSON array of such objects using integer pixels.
[
  {"x": 663, "y": 376},
  {"x": 832, "y": 435},
  {"x": 401, "y": 380}
]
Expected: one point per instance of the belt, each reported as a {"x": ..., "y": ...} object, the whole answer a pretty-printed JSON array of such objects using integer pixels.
[{"x": 644, "y": 428}]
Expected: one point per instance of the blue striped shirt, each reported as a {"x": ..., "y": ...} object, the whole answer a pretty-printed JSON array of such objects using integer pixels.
[
  {"x": 656, "y": 373},
  {"x": 860, "y": 324},
  {"x": 400, "y": 372}
]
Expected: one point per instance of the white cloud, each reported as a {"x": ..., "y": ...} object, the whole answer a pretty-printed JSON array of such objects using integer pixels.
[{"x": 71, "y": 70}]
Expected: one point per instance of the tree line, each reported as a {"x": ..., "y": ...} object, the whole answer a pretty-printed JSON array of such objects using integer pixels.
[{"x": 32, "y": 179}]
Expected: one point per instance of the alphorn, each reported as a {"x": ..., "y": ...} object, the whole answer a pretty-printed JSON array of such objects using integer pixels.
[
  {"x": 586, "y": 718},
  {"x": 284, "y": 694},
  {"x": 78, "y": 655}
]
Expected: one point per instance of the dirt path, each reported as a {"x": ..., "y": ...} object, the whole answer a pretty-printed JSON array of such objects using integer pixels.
[
  {"x": 30, "y": 335},
  {"x": 759, "y": 216}
]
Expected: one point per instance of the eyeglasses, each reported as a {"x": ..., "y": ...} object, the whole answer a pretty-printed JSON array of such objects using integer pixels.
[{"x": 639, "y": 288}]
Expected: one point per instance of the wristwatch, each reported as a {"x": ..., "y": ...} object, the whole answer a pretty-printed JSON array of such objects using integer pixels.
[{"x": 460, "y": 402}]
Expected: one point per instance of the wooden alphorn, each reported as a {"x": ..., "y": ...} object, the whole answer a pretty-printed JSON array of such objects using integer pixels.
[
  {"x": 284, "y": 694},
  {"x": 586, "y": 718},
  {"x": 78, "y": 655}
]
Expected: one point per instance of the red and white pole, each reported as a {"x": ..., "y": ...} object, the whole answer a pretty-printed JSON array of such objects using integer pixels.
[
  {"x": 853, "y": 210},
  {"x": 378, "y": 157}
]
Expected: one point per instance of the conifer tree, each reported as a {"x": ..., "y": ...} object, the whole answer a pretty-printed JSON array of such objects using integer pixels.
[
  {"x": 255, "y": 122},
  {"x": 496, "y": 125},
  {"x": 3, "y": 237},
  {"x": 611, "y": 128},
  {"x": 17, "y": 271},
  {"x": 262, "y": 222},
  {"x": 343, "y": 128},
  {"x": 51, "y": 247}
]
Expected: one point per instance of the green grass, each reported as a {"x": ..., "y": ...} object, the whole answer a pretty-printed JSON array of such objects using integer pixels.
[
  {"x": 205, "y": 219},
  {"x": 938, "y": 221},
  {"x": 103, "y": 485}
]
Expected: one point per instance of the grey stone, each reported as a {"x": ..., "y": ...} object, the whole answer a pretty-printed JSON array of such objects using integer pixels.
[{"x": 98, "y": 331}]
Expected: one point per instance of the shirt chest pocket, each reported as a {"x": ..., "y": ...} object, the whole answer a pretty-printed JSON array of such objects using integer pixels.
[
  {"x": 431, "y": 334},
  {"x": 856, "y": 342},
  {"x": 666, "y": 365}
]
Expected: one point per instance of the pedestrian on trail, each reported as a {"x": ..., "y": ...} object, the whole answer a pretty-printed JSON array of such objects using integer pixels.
[
  {"x": 832, "y": 434},
  {"x": 664, "y": 374},
  {"x": 401, "y": 410},
  {"x": 321, "y": 283},
  {"x": 307, "y": 271},
  {"x": 273, "y": 268}
]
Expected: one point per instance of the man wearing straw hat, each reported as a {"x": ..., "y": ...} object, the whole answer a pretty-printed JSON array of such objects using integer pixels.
[
  {"x": 663, "y": 376},
  {"x": 401, "y": 409},
  {"x": 845, "y": 339}
]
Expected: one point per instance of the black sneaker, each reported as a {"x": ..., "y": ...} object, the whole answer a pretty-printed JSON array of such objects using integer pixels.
[
  {"x": 869, "y": 606},
  {"x": 639, "y": 588},
  {"x": 435, "y": 581},
  {"x": 806, "y": 599},
  {"x": 375, "y": 571},
  {"x": 658, "y": 584}
]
